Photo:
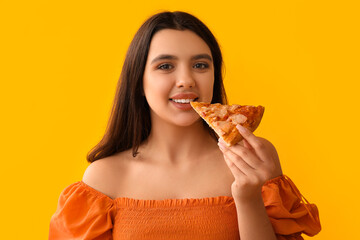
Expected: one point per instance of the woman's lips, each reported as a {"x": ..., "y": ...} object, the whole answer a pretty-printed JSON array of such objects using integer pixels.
[
  {"x": 184, "y": 95},
  {"x": 182, "y": 106}
]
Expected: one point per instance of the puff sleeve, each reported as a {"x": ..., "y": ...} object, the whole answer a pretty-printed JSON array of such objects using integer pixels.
[
  {"x": 289, "y": 212},
  {"x": 82, "y": 214}
]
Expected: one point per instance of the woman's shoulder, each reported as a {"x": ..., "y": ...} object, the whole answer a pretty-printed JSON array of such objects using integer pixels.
[{"x": 103, "y": 173}]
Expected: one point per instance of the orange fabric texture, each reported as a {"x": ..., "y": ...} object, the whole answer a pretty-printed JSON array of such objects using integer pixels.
[{"x": 85, "y": 213}]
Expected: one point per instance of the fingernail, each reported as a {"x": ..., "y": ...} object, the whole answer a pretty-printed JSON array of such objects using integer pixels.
[
  {"x": 241, "y": 128},
  {"x": 221, "y": 146}
]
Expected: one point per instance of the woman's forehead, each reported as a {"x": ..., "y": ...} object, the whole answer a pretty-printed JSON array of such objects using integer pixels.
[{"x": 177, "y": 42}]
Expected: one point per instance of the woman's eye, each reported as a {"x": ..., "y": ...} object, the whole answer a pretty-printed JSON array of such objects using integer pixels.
[
  {"x": 201, "y": 65},
  {"x": 165, "y": 66}
]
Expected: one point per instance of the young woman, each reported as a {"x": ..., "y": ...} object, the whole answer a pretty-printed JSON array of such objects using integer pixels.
[{"x": 161, "y": 173}]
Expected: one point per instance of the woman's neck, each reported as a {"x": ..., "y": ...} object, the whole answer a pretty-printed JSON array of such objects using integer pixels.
[{"x": 175, "y": 145}]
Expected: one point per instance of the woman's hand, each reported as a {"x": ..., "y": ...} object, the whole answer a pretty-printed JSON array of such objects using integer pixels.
[{"x": 252, "y": 164}]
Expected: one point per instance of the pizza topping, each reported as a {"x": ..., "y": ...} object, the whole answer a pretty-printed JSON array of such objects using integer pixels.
[
  {"x": 222, "y": 113},
  {"x": 233, "y": 107},
  {"x": 238, "y": 118},
  {"x": 204, "y": 110},
  {"x": 215, "y": 110},
  {"x": 223, "y": 126}
]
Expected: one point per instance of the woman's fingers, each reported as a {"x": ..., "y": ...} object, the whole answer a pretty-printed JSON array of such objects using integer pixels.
[
  {"x": 247, "y": 145},
  {"x": 256, "y": 144},
  {"x": 246, "y": 154},
  {"x": 233, "y": 168},
  {"x": 235, "y": 158}
]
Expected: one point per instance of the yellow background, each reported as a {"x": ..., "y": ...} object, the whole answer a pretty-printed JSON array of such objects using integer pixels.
[{"x": 60, "y": 62}]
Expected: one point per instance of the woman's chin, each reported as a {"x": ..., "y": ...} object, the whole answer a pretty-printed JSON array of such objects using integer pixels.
[{"x": 188, "y": 122}]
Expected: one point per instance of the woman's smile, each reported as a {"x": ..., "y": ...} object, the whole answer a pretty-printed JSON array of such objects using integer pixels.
[{"x": 182, "y": 100}]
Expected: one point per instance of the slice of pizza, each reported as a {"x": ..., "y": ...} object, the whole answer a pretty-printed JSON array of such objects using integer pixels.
[{"x": 224, "y": 118}]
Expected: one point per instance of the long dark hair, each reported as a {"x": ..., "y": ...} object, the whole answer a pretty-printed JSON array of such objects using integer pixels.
[{"x": 129, "y": 123}]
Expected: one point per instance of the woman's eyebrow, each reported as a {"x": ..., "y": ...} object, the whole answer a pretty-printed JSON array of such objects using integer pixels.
[
  {"x": 172, "y": 57},
  {"x": 162, "y": 57},
  {"x": 201, "y": 56}
]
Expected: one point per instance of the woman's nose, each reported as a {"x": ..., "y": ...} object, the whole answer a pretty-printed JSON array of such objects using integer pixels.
[{"x": 185, "y": 79}]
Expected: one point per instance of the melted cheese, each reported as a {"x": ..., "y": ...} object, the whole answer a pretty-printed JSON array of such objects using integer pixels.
[{"x": 238, "y": 118}]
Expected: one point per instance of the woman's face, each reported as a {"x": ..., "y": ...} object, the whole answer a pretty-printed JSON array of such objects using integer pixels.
[{"x": 179, "y": 69}]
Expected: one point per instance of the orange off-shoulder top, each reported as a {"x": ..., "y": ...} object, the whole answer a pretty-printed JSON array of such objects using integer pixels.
[{"x": 85, "y": 213}]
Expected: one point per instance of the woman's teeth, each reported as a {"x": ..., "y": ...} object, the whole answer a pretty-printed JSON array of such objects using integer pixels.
[{"x": 183, "y": 100}]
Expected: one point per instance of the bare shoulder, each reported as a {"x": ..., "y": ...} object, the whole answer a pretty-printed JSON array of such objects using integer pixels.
[{"x": 104, "y": 174}]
